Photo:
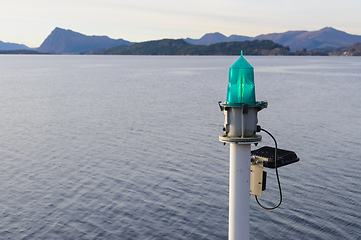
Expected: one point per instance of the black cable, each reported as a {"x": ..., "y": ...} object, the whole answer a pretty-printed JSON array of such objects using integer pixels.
[{"x": 278, "y": 179}]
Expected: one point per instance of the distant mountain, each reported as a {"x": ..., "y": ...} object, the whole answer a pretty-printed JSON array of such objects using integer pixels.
[
  {"x": 181, "y": 47},
  {"x": 296, "y": 40},
  {"x": 323, "y": 41},
  {"x": 63, "y": 41},
  {"x": 325, "y": 38},
  {"x": 212, "y": 38},
  {"x": 12, "y": 46}
]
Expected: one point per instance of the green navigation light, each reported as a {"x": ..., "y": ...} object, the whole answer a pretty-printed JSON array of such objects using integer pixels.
[{"x": 241, "y": 88}]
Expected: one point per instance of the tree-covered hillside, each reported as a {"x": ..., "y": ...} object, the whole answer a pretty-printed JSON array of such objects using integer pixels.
[
  {"x": 354, "y": 50},
  {"x": 180, "y": 47}
]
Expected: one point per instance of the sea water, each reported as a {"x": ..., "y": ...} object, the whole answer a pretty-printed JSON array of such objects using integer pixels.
[{"x": 126, "y": 147}]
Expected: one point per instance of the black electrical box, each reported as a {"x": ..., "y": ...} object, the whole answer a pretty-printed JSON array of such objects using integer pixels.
[{"x": 267, "y": 155}]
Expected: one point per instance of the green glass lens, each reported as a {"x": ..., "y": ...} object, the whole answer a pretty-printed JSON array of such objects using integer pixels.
[{"x": 241, "y": 89}]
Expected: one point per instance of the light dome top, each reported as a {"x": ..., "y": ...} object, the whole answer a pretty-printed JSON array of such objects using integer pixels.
[{"x": 241, "y": 88}]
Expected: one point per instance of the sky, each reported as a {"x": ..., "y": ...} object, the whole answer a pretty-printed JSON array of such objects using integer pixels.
[{"x": 29, "y": 22}]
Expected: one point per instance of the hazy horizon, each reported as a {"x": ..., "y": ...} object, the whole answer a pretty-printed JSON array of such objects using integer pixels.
[{"x": 29, "y": 23}]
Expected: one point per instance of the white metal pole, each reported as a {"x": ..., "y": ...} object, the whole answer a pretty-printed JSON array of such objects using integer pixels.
[{"x": 239, "y": 191}]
